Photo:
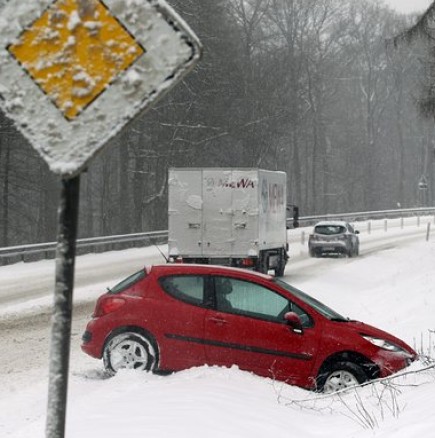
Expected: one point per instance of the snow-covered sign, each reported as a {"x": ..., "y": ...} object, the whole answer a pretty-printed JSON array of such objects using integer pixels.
[{"x": 74, "y": 72}]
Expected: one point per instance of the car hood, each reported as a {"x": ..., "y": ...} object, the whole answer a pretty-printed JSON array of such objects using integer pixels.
[{"x": 368, "y": 330}]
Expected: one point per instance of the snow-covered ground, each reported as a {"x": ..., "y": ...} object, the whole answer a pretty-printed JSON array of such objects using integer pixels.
[{"x": 391, "y": 285}]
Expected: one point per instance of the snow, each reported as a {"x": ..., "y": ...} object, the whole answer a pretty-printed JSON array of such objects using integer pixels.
[
  {"x": 74, "y": 21},
  {"x": 408, "y": 7},
  {"x": 391, "y": 285}
]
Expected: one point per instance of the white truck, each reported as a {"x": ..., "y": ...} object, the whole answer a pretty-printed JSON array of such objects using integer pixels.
[{"x": 234, "y": 217}]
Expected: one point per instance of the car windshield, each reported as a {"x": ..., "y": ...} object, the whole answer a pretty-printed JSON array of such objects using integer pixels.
[
  {"x": 329, "y": 229},
  {"x": 324, "y": 310}
]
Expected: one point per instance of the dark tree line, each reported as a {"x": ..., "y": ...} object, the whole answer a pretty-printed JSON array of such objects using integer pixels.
[{"x": 309, "y": 87}]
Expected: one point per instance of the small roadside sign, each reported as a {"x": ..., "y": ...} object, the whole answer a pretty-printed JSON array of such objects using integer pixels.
[{"x": 74, "y": 72}]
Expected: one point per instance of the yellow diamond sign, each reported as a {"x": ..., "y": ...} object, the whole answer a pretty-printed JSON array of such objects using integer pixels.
[
  {"x": 74, "y": 72},
  {"x": 74, "y": 51}
]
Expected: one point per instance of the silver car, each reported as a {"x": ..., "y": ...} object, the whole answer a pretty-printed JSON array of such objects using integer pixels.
[{"x": 333, "y": 237}]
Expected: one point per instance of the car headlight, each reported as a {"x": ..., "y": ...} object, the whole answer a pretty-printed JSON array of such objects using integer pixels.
[{"x": 382, "y": 343}]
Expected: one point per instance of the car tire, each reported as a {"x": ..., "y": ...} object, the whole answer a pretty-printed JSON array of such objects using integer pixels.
[
  {"x": 340, "y": 375},
  {"x": 316, "y": 253},
  {"x": 129, "y": 350}
]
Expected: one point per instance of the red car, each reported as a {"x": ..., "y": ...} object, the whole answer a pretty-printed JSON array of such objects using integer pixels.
[{"x": 172, "y": 317}]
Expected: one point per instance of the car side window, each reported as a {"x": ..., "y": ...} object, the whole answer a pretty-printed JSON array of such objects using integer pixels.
[
  {"x": 188, "y": 288},
  {"x": 249, "y": 299}
]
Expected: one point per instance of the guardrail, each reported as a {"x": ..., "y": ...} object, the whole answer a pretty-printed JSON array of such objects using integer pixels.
[
  {"x": 38, "y": 251},
  {"x": 367, "y": 215}
]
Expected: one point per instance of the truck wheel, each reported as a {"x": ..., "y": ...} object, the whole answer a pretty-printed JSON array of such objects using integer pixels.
[
  {"x": 263, "y": 264},
  {"x": 279, "y": 270}
]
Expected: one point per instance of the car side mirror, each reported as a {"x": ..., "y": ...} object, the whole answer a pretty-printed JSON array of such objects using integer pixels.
[
  {"x": 356, "y": 232},
  {"x": 294, "y": 322}
]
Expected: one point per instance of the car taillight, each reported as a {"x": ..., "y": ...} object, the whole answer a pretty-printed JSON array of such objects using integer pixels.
[{"x": 108, "y": 305}]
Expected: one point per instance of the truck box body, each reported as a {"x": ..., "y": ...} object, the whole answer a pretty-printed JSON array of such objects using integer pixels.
[{"x": 226, "y": 213}]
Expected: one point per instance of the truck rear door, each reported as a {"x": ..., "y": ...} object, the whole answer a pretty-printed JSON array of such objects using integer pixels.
[
  {"x": 217, "y": 213},
  {"x": 185, "y": 212}
]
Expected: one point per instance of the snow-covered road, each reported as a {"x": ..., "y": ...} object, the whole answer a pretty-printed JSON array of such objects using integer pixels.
[{"x": 24, "y": 282}]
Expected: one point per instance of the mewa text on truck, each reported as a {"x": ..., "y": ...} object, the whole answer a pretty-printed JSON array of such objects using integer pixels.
[{"x": 234, "y": 217}]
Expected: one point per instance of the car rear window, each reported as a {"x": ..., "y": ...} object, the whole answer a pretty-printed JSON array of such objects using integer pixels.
[
  {"x": 329, "y": 229},
  {"x": 127, "y": 282}
]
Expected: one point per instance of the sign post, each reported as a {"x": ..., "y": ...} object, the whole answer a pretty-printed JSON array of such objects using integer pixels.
[
  {"x": 72, "y": 74},
  {"x": 62, "y": 308}
]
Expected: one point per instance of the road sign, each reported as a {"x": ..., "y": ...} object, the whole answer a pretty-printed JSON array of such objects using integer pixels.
[{"x": 74, "y": 72}]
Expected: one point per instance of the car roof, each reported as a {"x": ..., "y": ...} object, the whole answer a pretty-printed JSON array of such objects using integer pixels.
[
  {"x": 335, "y": 223},
  {"x": 186, "y": 268}
]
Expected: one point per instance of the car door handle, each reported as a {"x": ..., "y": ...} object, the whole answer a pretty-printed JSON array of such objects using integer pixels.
[{"x": 219, "y": 321}]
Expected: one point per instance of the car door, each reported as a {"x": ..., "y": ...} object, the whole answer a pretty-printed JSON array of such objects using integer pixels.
[
  {"x": 246, "y": 328},
  {"x": 182, "y": 320}
]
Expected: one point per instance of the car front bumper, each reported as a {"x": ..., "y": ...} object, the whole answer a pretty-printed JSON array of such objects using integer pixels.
[{"x": 391, "y": 362}]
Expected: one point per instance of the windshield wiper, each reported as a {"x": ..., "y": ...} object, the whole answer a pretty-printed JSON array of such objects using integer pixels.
[{"x": 340, "y": 319}]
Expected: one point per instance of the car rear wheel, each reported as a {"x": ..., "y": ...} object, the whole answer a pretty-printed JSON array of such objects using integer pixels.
[
  {"x": 316, "y": 253},
  {"x": 129, "y": 350},
  {"x": 340, "y": 375}
]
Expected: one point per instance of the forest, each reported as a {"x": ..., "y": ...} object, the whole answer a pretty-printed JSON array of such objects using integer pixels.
[{"x": 314, "y": 88}]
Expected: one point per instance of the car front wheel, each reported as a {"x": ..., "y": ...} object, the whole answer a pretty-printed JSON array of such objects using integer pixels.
[
  {"x": 129, "y": 350},
  {"x": 339, "y": 376}
]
